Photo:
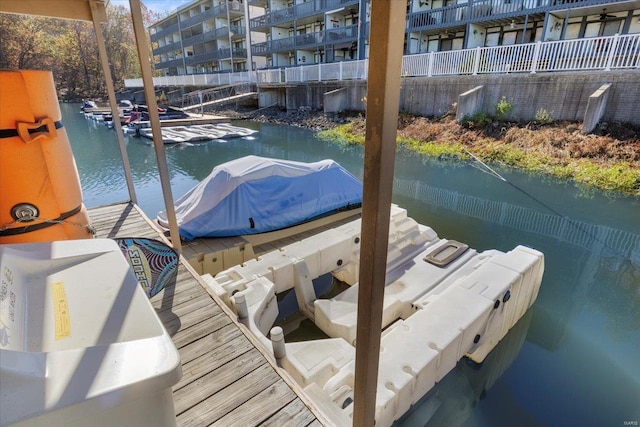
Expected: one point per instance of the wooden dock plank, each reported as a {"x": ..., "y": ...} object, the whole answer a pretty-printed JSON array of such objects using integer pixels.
[
  {"x": 226, "y": 400},
  {"x": 200, "y": 330},
  {"x": 294, "y": 414},
  {"x": 174, "y": 322},
  {"x": 234, "y": 346},
  {"x": 226, "y": 380},
  {"x": 214, "y": 381},
  {"x": 259, "y": 408}
]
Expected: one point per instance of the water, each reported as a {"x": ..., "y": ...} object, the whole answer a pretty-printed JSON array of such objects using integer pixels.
[{"x": 574, "y": 359}]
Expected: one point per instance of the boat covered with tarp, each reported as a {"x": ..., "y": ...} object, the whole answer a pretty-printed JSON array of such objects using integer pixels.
[{"x": 254, "y": 194}]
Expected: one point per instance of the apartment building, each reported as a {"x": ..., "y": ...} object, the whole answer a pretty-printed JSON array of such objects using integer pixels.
[
  {"x": 208, "y": 36},
  {"x": 204, "y": 36}
]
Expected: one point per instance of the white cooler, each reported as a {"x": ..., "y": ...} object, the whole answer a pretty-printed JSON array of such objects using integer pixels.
[{"x": 80, "y": 343}]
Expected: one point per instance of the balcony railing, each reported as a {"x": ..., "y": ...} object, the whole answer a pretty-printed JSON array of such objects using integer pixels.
[
  {"x": 481, "y": 10},
  {"x": 598, "y": 53},
  {"x": 300, "y": 10},
  {"x": 197, "y": 18},
  {"x": 177, "y": 62},
  {"x": 167, "y": 48},
  {"x": 174, "y": 28},
  {"x": 309, "y": 40}
]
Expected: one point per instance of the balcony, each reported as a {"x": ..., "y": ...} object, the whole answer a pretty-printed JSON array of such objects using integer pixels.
[
  {"x": 167, "y": 48},
  {"x": 215, "y": 55},
  {"x": 486, "y": 10},
  {"x": 237, "y": 31},
  {"x": 333, "y": 36},
  {"x": 174, "y": 28},
  {"x": 298, "y": 11},
  {"x": 170, "y": 63},
  {"x": 197, "y": 18}
]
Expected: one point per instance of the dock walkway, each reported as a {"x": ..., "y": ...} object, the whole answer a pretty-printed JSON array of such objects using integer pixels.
[{"x": 226, "y": 379}]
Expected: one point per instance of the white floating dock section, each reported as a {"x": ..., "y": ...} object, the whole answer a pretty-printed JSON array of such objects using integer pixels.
[
  {"x": 432, "y": 315},
  {"x": 81, "y": 344}
]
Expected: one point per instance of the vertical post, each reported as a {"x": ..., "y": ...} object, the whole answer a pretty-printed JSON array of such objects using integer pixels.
[
  {"x": 383, "y": 95},
  {"x": 112, "y": 102},
  {"x": 182, "y": 52},
  {"x": 340, "y": 68},
  {"x": 154, "y": 118},
  {"x": 230, "y": 34},
  {"x": 612, "y": 51},
  {"x": 430, "y": 68},
  {"x": 524, "y": 29},
  {"x": 536, "y": 54},
  {"x": 476, "y": 61},
  {"x": 247, "y": 38}
]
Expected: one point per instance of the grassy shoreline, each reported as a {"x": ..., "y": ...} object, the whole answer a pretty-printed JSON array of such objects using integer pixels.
[{"x": 599, "y": 162}]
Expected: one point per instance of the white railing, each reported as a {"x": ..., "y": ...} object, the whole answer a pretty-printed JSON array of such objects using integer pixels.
[
  {"x": 599, "y": 53},
  {"x": 218, "y": 79}
]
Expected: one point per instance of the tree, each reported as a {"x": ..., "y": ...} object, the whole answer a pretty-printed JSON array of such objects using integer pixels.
[
  {"x": 69, "y": 49},
  {"x": 25, "y": 42}
]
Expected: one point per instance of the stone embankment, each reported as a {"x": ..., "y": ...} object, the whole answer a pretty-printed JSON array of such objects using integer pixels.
[{"x": 304, "y": 118}]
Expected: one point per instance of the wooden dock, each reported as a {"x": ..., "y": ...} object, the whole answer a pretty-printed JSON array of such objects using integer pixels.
[{"x": 227, "y": 380}]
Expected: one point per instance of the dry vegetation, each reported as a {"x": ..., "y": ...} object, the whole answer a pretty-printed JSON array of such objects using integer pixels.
[
  {"x": 608, "y": 159},
  {"x": 561, "y": 141}
]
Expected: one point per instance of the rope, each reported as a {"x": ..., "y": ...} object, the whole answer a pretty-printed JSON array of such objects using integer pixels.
[{"x": 488, "y": 170}]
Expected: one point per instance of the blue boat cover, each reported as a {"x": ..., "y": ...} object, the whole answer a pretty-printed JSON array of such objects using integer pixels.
[{"x": 256, "y": 194}]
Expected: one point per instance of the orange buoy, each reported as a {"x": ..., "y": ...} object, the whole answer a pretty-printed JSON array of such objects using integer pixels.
[{"x": 40, "y": 194}]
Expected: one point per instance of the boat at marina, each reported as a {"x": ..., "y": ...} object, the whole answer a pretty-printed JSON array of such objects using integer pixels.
[
  {"x": 87, "y": 104},
  {"x": 443, "y": 300},
  {"x": 253, "y": 194}
]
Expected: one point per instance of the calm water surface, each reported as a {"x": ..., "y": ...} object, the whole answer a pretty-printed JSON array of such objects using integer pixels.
[{"x": 573, "y": 360}]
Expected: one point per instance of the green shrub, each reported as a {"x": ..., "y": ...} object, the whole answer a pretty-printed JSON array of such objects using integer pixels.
[
  {"x": 478, "y": 119},
  {"x": 543, "y": 117},
  {"x": 503, "y": 108}
]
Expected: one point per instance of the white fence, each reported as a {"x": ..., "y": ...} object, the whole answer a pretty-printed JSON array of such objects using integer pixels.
[
  {"x": 219, "y": 79},
  {"x": 599, "y": 53}
]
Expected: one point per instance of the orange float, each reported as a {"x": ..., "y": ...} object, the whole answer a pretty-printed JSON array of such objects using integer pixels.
[{"x": 40, "y": 194}]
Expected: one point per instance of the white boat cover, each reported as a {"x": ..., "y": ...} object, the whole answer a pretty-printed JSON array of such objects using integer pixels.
[{"x": 256, "y": 194}]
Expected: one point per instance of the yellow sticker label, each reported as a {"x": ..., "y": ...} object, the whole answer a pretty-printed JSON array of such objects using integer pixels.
[{"x": 60, "y": 311}]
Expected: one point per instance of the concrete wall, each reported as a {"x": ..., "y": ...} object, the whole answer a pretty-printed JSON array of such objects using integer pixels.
[
  {"x": 469, "y": 103},
  {"x": 596, "y": 108},
  {"x": 336, "y": 101},
  {"x": 564, "y": 95},
  {"x": 271, "y": 96}
]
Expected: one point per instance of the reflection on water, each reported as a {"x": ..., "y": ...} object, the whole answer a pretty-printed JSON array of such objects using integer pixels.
[{"x": 574, "y": 359}]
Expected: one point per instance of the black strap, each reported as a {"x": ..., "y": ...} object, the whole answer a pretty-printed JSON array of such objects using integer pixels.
[
  {"x": 9, "y": 133},
  {"x": 40, "y": 225}
]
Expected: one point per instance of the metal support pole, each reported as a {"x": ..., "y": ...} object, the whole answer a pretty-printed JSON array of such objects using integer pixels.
[
  {"x": 154, "y": 118},
  {"x": 247, "y": 29},
  {"x": 112, "y": 101},
  {"x": 383, "y": 96}
]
